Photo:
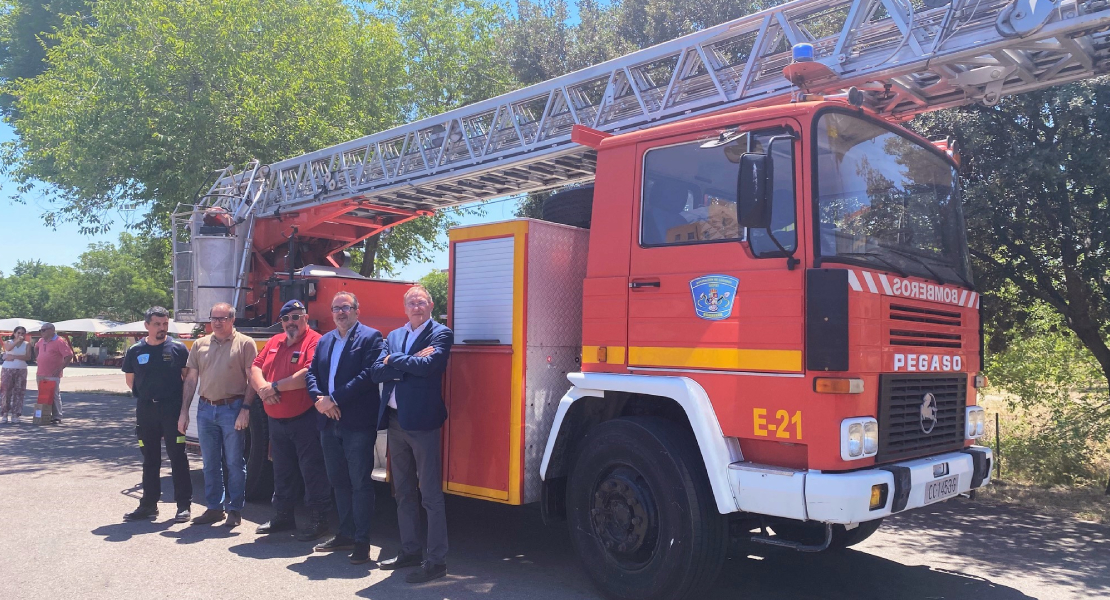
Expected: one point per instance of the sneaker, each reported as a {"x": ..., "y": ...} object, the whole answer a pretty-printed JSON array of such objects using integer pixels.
[
  {"x": 427, "y": 572},
  {"x": 183, "y": 515},
  {"x": 361, "y": 555},
  {"x": 5, "y": 419},
  {"x": 212, "y": 515},
  {"x": 280, "y": 522},
  {"x": 335, "y": 544},
  {"x": 55, "y": 421},
  {"x": 400, "y": 561},
  {"x": 16, "y": 419},
  {"x": 234, "y": 519},
  {"x": 143, "y": 513}
]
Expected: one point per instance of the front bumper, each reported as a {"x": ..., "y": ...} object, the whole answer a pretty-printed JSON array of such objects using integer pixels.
[{"x": 845, "y": 497}]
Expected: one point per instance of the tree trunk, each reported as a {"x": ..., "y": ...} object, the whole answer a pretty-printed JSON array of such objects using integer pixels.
[{"x": 370, "y": 253}]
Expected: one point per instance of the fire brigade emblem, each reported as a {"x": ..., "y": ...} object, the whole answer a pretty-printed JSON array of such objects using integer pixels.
[{"x": 714, "y": 296}]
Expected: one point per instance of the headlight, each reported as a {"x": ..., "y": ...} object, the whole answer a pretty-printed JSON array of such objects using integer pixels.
[
  {"x": 976, "y": 420},
  {"x": 859, "y": 438}
]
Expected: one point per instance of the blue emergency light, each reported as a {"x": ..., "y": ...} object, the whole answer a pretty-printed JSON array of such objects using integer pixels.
[{"x": 802, "y": 52}]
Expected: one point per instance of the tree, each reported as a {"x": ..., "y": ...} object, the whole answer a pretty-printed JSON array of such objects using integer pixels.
[
  {"x": 450, "y": 60},
  {"x": 27, "y": 29},
  {"x": 436, "y": 284},
  {"x": 1037, "y": 191}
]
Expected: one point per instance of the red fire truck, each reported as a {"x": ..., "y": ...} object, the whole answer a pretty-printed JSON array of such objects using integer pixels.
[{"x": 750, "y": 311}]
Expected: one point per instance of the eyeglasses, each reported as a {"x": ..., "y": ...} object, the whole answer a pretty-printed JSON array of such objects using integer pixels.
[
  {"x": 292, "y": 317},
  {"x": 346, "y": 308},
  {"x": 219, "y": 319},
  {"x": 417, "y": 304}
]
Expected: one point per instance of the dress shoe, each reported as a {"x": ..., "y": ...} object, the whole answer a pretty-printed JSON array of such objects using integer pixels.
[
  {"x": 335, "y": 544},
  {"x": 361, "y": 555},
  {"x": 143, "y": 513},
  {"x": 280, "y": 522},
  {"x": 183, "y": 515},
  {"x": 317, "y": 527},
  {"x": 400, "y": 561},
  {"x": 427, "y": 572},
  {"x": 212, "y": 515},
  {"x": 234, "y": 519}
]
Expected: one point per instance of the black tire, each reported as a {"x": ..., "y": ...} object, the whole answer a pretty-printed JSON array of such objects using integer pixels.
[
  {"x": 260, "y": 471},
  {"x": 648, "y": 469},
  {"x": 814, "y": 533},
  {"x": 572, "y": 207}
]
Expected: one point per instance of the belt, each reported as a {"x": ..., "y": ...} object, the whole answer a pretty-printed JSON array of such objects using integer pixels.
[{"x": 223, "y": 402}]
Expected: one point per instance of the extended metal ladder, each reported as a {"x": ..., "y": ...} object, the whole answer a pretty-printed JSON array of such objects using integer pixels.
[{"x": 907, "y": 58}]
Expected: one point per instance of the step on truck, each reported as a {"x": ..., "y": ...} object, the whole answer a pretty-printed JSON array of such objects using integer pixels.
[{"x": 749, "y": 311}]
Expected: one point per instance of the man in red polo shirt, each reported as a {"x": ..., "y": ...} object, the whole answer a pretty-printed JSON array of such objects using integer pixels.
[{"x": 278, "y": 376}]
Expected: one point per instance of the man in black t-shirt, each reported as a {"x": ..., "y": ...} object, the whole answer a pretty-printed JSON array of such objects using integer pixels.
[{"x": 155, "y": 369}]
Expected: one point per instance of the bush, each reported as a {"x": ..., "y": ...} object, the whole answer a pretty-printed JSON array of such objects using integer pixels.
[{"x": 1056, "y": 421}]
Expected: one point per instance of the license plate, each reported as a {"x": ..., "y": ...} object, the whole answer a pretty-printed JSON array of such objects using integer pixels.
[{"x": 935, "y": 491}]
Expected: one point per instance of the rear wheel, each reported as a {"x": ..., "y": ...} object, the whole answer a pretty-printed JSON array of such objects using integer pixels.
[{"x": 641, "y": 512}]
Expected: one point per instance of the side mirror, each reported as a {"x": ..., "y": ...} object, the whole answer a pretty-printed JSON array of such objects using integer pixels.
[{"x": 753, "y": 191}]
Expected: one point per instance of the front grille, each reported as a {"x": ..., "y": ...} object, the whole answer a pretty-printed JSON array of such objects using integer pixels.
[
  {"x": 924, "y": 326},
  {"x": 901, "y": 435}
]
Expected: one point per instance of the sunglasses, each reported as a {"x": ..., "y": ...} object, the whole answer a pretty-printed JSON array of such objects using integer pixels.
[
  {"x": 345, "y": 308},
  {"x": 292, "y": 317}
]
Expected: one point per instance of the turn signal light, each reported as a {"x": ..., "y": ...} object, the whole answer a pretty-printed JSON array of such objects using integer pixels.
[
  {"x": 878, "y": 496},
  {"x": 837, "y": 385},
  {"x": 602, "y": 354},
  {"x": 981, "y": 381}
]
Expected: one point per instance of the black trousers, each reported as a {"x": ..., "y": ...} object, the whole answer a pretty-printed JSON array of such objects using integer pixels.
[
  {"x": 157, "y": 421},
  {"x": 296, "y": 442}
]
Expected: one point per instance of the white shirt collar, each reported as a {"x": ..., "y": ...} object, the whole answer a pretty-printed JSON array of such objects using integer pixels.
[{"x": 422, "y": 327}]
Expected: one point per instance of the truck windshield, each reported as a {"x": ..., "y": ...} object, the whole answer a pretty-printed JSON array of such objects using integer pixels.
[{"x": 886, "y": 201}]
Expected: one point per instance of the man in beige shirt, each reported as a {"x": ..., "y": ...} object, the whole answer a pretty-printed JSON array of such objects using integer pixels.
[{"x": 222, "y": 363}]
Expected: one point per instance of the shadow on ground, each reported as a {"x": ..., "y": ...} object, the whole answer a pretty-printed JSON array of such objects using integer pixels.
[{"x": 509, "y": 551}]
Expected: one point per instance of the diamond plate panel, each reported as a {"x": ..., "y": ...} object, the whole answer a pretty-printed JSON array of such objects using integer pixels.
[
  {"x": 556, "y": 269},
  {"x": 545, "y": 384}
]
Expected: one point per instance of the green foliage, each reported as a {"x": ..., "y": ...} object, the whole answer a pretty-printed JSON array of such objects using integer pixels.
[
  {"x": 140, "y": 103},
  {"x": 26, "y": 30},
  {"x": 436, "y": 283},
  {"x": 1036, "y": 191},
  {"x": 1058, "y": 416},
  {"x": 117, "y": 282}
]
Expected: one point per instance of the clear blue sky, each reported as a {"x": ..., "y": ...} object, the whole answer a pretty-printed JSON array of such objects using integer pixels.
[{"x": 23, "y": 236}]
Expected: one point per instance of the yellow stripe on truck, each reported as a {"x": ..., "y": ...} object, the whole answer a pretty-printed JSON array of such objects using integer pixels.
[{"x": 736, "y": 359}]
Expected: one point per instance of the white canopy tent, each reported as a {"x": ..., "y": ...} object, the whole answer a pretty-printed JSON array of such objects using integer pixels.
[
  {"x": 84, "y": 326},
  {"x": 7, "y": 325},
  {"x": 138, "y": 328}
]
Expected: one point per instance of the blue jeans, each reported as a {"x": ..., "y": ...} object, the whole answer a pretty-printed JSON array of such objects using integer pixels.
[
  {"x": 220, "y": 445},
  {"x": 349, "y": 457}
]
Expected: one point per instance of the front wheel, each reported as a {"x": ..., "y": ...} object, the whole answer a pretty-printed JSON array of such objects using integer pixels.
[{"x": 642, "y": 516}]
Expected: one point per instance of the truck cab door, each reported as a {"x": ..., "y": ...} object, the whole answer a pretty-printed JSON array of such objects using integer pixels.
[{"x": 704, "y": 293}]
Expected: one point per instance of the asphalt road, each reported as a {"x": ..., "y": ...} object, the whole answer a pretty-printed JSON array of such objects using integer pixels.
[{"x": 63, "y": 491}]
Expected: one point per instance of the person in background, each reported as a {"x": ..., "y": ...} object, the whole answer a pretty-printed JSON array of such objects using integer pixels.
[
  {"x": 221, "y": 364},
  {"x": 411, "y": 366},
  {"x": 156, "y": 368},
  {"x": 278, "y": 375},
  {"x": 13, "y": 376},
  {"x": 347, "y": 399},
  {"x": 52, "y": 355}
]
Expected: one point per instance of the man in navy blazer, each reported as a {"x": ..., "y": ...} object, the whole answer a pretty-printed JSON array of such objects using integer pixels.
[
  {"x": 347, "y": 399},
  {"x": 411, "y": 366}
]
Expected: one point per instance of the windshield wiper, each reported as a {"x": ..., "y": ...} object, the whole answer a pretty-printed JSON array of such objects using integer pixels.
[
  {"x": 922, "y": 262},
  {"x": 874, "y": 255}
]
